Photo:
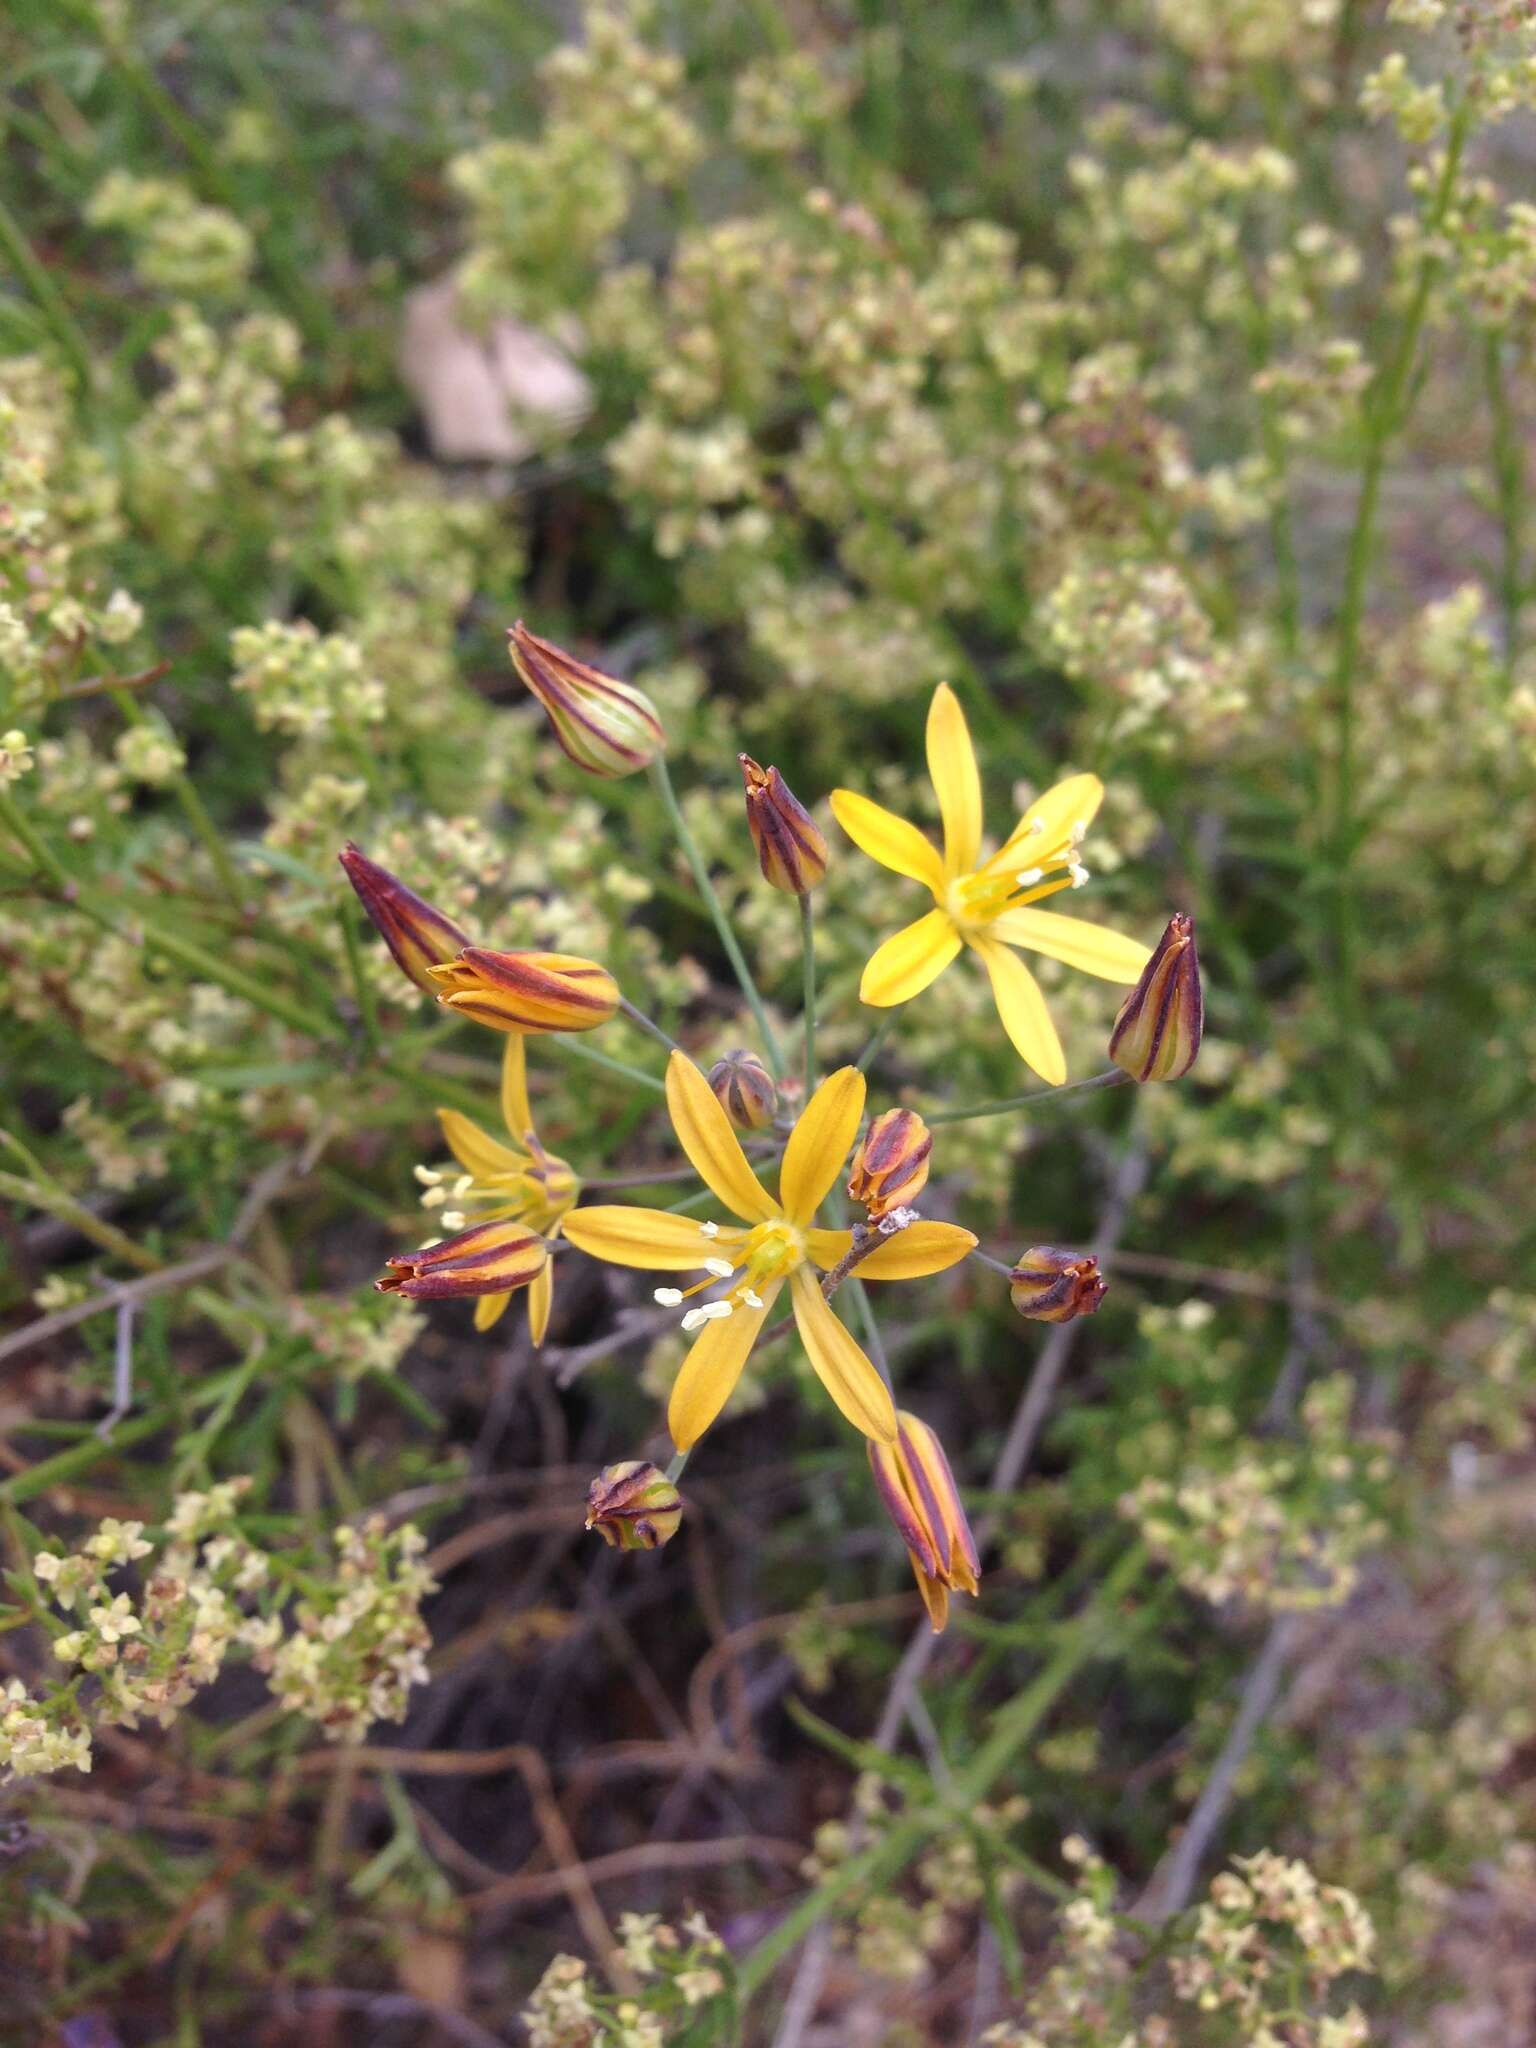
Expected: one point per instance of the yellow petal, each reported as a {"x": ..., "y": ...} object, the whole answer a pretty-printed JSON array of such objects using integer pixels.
[
  {"x": 819, "y": 1144},
  {"x": 1072, "y": 802},
  {"x": 1022, "y": 1008},
  {"x": 711, "y": 1370},
  {"x": 956, "y": 782},
  {"x": 541, "y": 1297},
  {"x": 840, "y": 1365},
  {"x": 481, "y": 1155},
  {"x": 888, "y": 839},
  {"x": 920, "y": 1249},
  {"x": 1091, "y": 948},
  {"x": 908, "y": 960},
  {"x": 705, "y": 1134},
  {"x": 489, "y": 1308},
  {"x": 648, "y": 1238},
  {"x": 515, "y": 1111}
]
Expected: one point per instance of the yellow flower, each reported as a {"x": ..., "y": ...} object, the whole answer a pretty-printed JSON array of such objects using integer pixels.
[
  {"x": 985, "y": 904},
  {"x": 779, "y": 1244},
  {"x": 518, "y": 1182}
]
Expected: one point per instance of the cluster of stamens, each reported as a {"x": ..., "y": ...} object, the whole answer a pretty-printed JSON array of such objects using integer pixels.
[
  {"x": 979, "y": 898},
  {"x": 777, "y": 1250}
]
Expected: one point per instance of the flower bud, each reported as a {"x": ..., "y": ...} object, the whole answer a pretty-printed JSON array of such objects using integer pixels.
[
  {"x": 418, "y": 936},
  {"x": 1157, "y": 1032},
  {"x": 890, "y": 1168},
  {"x": 1050, "y": 1286},
  {"x": 744, "y": 1090},
  {"x": 790, "y": 849},
  {"x": 529, "y": 992},
  {"x": 920, "y": 1497},
  {"x": 607, "y": 727},
  {"x": 634, "y": 1506},
  {"x": 488, "y": 1258}
]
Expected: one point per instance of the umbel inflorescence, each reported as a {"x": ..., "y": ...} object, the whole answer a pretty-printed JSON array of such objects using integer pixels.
[{"x": 770, "y": 1251}]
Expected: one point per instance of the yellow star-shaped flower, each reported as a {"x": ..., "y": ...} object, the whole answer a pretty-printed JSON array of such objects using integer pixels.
[
  {"x": 778, "y": 1243},
  {"x": 987, "y": 904}
]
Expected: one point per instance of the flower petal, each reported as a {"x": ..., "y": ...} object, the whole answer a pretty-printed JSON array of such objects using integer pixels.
[
  {"x": 647, "y": 1238},
  {"x": 888, "y": 839},
  {"x": 515, "y": 1111},
  {"x": 840, "y": 1365},
  {"x": 956, "y": 781},
  {"x": 705, "y": 1134},
  {"x": 711, "y": 1370},
  {"x": 819, "y": 1144},
  {"x": 1072, "y": 802},
  {"x": 920, "y": 1249},
  {"x": 1091, "y": 948},
  {"x": 490, "y": 1308},
  {"x": 1022, "y": 1008},
  {"x": 541, "y": 1298},
  {"x": 481, "y": 1155},
  {"x": 908, "y": 960}
]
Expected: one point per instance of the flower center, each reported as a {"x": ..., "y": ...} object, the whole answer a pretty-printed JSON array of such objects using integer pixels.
[
  {"x": 1025, "y": 870},
  {"x": 769, "y": 1251}
]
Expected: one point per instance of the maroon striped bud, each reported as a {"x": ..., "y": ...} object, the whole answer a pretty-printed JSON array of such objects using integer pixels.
[
  {"x": 744, "y": 1089},
  {"x": 890, "y": 1168},
  {"x": 1157, "y": 1033},
  {"x": 634, "y": 1506},
  {"x": 1050, "y": 1286},
  {"x": 419, "y": 937},
  {"x": 529, "y": 992},
  {"x": 488, "y": 1258},
  {"x": 607, "y": 727},
  {"x": 790, "y": 849},
  {"x": 921, "y": 1498}
]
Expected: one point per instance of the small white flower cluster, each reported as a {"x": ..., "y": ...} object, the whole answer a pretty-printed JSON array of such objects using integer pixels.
[
  {"x": 681, "y": 1969},
  {"x": 180, "y": 245},
  {"x": 302, "y": 682},
  {"x": 16, "y": 757}
]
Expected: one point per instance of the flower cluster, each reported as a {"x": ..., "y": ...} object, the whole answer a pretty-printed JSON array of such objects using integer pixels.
[
  {"x": 682, "y": 1970},
  {"x": 1268, "y": 1923}
]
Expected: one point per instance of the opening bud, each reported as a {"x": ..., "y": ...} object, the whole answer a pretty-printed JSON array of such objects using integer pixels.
[
  {"x": 744, "y": 1089},
  {"x": 1157, "y": 1032},
  {"x": 790, "y": 849},
  {"x": 529, "y": 992},
  {"x": 488, "y": 1258},
  {"x": 1050, "y": 1286},
  {"x": 634, "y": 1506},
  {"x": 890, "y": 1168},
  {"x": 921, "y": 1498},
  {"x": 607, "y": 727},
  {"x": 419, "y": 937}
]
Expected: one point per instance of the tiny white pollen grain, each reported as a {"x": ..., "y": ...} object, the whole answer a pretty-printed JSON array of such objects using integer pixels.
[
  {"x": 710, "y": 1229},
  {"x": 1036, "y": 827},
  {"x": 707, "y": 1312},
  {"x": 1078, "y": 873},
  {"x": 668, "y": 1297},
  {"x": 427, "y": 1175},
  {"x": 463, "y": 1184},
  {"x": 721, "y": 1268},
  {"x": 751, "y": 1300},
  {"x": 453, "y": 1219},
  {"x": 1029, "y": 877}
]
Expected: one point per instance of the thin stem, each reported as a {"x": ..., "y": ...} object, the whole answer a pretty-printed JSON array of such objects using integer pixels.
[
  {"x": 48, "y": 296},
  {"x": 996, "y": 1265},
  {"x": 603, "y": 1059},
  {"x": 872, "y": 1337},
  {"x": 367, "y": 1007},
  {"x": 1112, "y": 1077},
  {"x": 877, "y": 1039},
  {"x": 716, "y": 909},
  {"x": 808, "y": 984},
  {"x": 47, "y": 1195},
  {"x": 1509, "y": 479},
  {"x": 638, "y": 1016},
  {"x": 192, "y": 805},
  {"x": 675, "y": 1469}
]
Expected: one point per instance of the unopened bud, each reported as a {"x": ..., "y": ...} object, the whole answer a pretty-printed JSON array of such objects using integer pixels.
[
  {"x": 528, "y": 992},
  {"x": 921, "y": 1498},
  {"x": 790, "y": 848},
  {"x": 1050, "y": 1286},
  {"x": 890, "y": 1168},
  {"x": 488, "y": 1258},
  {"x": 634, "y": 1506},
  {"x": 744, "y": 1089},
  {"x": 1157, "y": 1032},
  {"x": 607, "y": 727},
  {"x": 419, "y": 937}
]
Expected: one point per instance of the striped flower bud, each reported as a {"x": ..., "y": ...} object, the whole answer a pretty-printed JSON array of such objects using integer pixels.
[
  {"x": 634, "y": 1506},
  {"x": 528, "y": 992},
  {"x": 744, "y": 1090},
  {"x": 790, "y": 850},
  {"x": 890, "y": 1168},
  {"x": 607, "y": 727},
  {"x": 488, "y": 1258},
  {"x": 1050, "y": 1286},
  {"x": 920, "y": 1497},
  {"x": 418, "y": 936},
  {"x": 1157, "y": 1032}
]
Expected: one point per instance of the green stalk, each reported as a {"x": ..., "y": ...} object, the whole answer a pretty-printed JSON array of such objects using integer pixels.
[
  {"x": 579, "y": 1051},
  {"x": 50, "y": 299},
  {"x": 716, "y": 909},
  {"x": 808, "y": 977},
  {"x": 47, "y": 1195},
  {"x": 1112, "y": 1077},
  {"x": 1509, "y": 480},
  {"x": 193, "y": 806},
  {"x": 877, "y": 1038},
  {"x": 367, "y": 1007}
]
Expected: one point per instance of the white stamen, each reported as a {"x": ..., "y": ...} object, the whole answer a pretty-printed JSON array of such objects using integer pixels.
[
  {"x": 434, "y": 1198},
  {"x": 750, "y": 1299},
  {"x": 721, "y": 1268},
  {"x": 1036, "y": 827},
  {"x": 463, "y": 1184},
  {"x": 710, "y": 1229},
  {"x": 427, "y": 1175},
  {"x": 706, "y": 1312},
  {"x": 1080, "y": 828},
  {"x": 1078, "y": 873},
  {"x": 454, "y": 1219},
  {"x": 1029, "y": 877},
  {"x": 668, "y": 1297}
]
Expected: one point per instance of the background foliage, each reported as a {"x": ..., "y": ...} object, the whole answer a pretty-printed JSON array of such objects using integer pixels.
[{"x": 1159, "y": 373}]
